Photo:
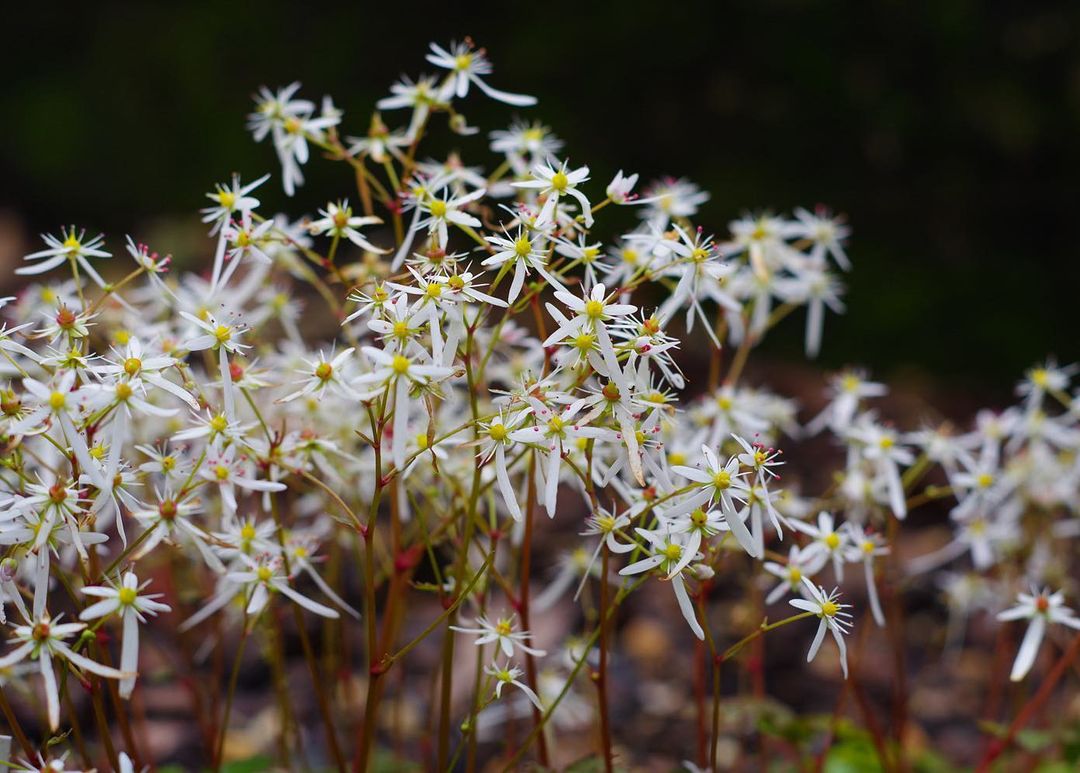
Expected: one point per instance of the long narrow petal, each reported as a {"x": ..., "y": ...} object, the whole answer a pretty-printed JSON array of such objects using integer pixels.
[
  {"x": 686, "y": 606},
  {"x": 306, "y": 603},
  {"x": 401, "y": 421},
  {"x": 52, "y": 695},
  {"x": 1029, "y": 648},
  {"x": 818, "y": 637},
  {"x": 129, "y": 654}
]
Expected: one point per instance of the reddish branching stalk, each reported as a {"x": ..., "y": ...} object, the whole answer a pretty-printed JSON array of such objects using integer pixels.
[
  {"x": 600, "y": 677},
  {"x": 1034, "y": 703}
]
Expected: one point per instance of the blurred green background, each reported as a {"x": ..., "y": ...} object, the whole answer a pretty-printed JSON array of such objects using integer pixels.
[{"x": 947, "y": 132}]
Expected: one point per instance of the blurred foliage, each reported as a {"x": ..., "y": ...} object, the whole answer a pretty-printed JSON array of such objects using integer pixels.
[{"x": 946, "y": 131}]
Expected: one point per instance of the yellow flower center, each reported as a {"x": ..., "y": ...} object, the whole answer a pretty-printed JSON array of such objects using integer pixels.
[
  {"x": 522, "y": 247},
  {"x": 594, "y": 309},
  {"x": 323, "y": 371},
  {"x": 605, "y": 523},
  {"x": 456, "y": 282},
  {"x": 462, "y": 61},
  {"x": 984, "y": 480},
  {"x": 227, "y": 199},
  {"x": 503, "y": 628},
  {"x": 123, "y": 391},
  {"x": 438, "y": 208},
  {"x": 221, "y": 472},
  {"x": 433, "y": 290},
  {"x": 168, "y": 463},
  {"x": 57, "y": 400},
  {"x": 722, "y": 479},
  {"x": 559, "y": 181},
  {"x": 400, "y": 364},
  {"x": 832, "y": 540},
  {"x": 794, "y": 575},
  {"x": 886, "y": 443},
  {"x": 132, "y": 365},
  {"x": 264, "y": 573},
  {"x": 223, "y": 333},
  {"x": 247, "y": 532},
  {"x": 422, "y": 441},
  {"x": 401, "y": 329},
  {"x": 698, "y": 517},
  {"x": 672, "y": 552},
  {"x": 1040, "y": 377},
  {"x": 829, "y": 609},
  {"x": 585, "y": 341},
  {"x": 497, "y": 432},
  {"x": 127, "y": 596},
  {"x": 677, "y": 457},
  {"x": 72, "y": 244},
  {"x": 219, "y": 423},
  {"x": 556, "y": 425}
]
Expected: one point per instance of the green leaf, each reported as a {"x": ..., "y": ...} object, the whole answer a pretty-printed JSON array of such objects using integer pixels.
[{"x": 255, "y": 764}]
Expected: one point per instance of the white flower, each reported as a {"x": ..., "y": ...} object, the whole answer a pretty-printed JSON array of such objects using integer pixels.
[
  {"x": 833, "y": 619},
  {"x": 556, "y": 433},
  {"x": 800, "y": 563},
  {"x": 227, "y": 471},
  {"x": 1040, "y": 608},
  {"x": 402, "y": 372},
  {"x": 507, "y": 674},
  {"x": 420, "y": 96},
  {"x": 42, "y": 640},
  {"x": 213, "y": 334},
  {"x": 827, "y": 232},
  {"x": 322, "y": 374},
  {"x": 466, "y": 65},
  {"x": 523, "y": 252},
  {"x": 619, "y": 188},
  {"x": 668, "y": 552},
  {"x": 131, "y": 605},
  {"x": 865, "y": 547},
  {"x": 74, "y": 247},
  {"x": 230, "y": 199},
  {"x": 448, "y": 209},
  {"x": 263, "y": 577},
  {"x": 829, "y": 542},
  {"x": 553, "y": 183},
  {"x": 502, "y": 632},
  {"x": 338, "y": 221},
  {"x": 714, "y": 484}
]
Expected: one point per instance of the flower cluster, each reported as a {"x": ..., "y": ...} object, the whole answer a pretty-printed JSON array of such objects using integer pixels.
[{"x": 417, "y": 379}]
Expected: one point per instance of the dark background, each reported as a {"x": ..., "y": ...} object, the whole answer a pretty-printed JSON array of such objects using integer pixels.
[{"x": 946, "y": 131}]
